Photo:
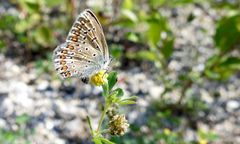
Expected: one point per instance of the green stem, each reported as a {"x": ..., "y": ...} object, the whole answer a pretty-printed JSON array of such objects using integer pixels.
[
  {"x": 90, "y": 124},
  {"x": 186, "y": 86},
  {"x": 104, "y": 87},
  {"x": 102, "y": 117}
]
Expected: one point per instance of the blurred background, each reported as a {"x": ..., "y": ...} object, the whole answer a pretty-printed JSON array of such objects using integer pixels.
[{"x": 180, "y": 57}]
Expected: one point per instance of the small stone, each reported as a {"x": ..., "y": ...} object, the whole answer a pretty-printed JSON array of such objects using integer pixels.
[
  {"x": 232, "y": 105},
  {"x": 3, "y": 123},
  {"x": 155, "y": 91},
  {"x": 76, "y": 129},
  {"x": 69, "y": 110},
  {"x": 42, "y": 85}
]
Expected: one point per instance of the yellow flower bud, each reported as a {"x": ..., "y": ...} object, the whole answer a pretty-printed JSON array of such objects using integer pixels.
[
  {"x": 203, "y": 141},
  {"x": 167, "y": 131},
  {"x": 99, "y": 78}
]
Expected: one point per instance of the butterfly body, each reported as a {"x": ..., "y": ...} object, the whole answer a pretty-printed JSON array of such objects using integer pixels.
[{"x": 85, "y": 51}]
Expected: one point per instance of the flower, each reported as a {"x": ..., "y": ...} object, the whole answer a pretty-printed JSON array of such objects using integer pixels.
[
  {"x": 203, "y": 141},
  {"x": 99, "y": 78},
  {"x": 167, "y": 131},
  {"x": 118, "y": 125}
]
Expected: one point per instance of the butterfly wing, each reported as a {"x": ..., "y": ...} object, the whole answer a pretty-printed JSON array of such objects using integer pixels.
[
  {"x": 87, "y": 29},
  {"x": 73, "y": 59},
  {"x": 85, "y": 51}
]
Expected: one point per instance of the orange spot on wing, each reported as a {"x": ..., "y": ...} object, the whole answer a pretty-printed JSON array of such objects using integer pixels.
[
  {"x": 70, "y": 47},
  {"x": 67, "y": 74},
  {"x": 62, "y": 57},
  {"x": 74, "y": 38},
  {"x": 76, "y": 32},
  {"x": 78, "y": 26},
  {"x": 62, "y": 62},
  {"x": 64, "y": 51},
  {"x": 64, "y": 68}
]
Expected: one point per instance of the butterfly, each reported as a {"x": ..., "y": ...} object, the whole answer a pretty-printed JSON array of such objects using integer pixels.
[{"x": 85, "y": 51}]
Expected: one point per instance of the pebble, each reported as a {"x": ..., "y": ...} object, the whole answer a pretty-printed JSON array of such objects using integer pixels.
[
  {"x": 42, "y": 85},
  {"x": 76, "y": 129},
  {"x": 232, "y": 105}
]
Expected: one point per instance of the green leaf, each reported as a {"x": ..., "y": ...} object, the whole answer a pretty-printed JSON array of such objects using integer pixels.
[
  {"x": 10, "y": 136},
  {"x": 105, "y": 90},
  {"x": 54, "y": 3},
  {"x": 167, "y": 47},
  {"x": 119, "y": 92},
  {"x": 129, "y": 15},
  {"x": 210, "y": 136},
  {"x": 22, "y": 119},
  {"x": 132, "y": 37},
  {"x": 231, "y": 63},
  {"x": 212, "y": 61},
  {"x": 106, "y": 141},
  {"x": 223, "y": 4},
  {"x": 30, "y": 5},
  {"x": 97, "y": 140},
  {"x": 222, "y": 68},
  {"x": 116, "y": 50},
  {"x": 142, "y": 55},
  {"x": 227, "y": 33},
  {"x": 128, "y": 4},
  {"x": 154, "y": 33},
  {"x": 157, "y": 3},
  {"x": 89, "y": 120},
  {"x": 7, "y": 21},
  {"x": 22, "y": 26},
  {"x": 130, "y": 98},
  {"x": 27, "y": 23},
  {"x": 157, "y": 24},
  {"x": 2, "y": 46},
  {"x": 128, "y": 102},
  {"x": 112, "y": 80},
  {"x": 44, "y": 36}
]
